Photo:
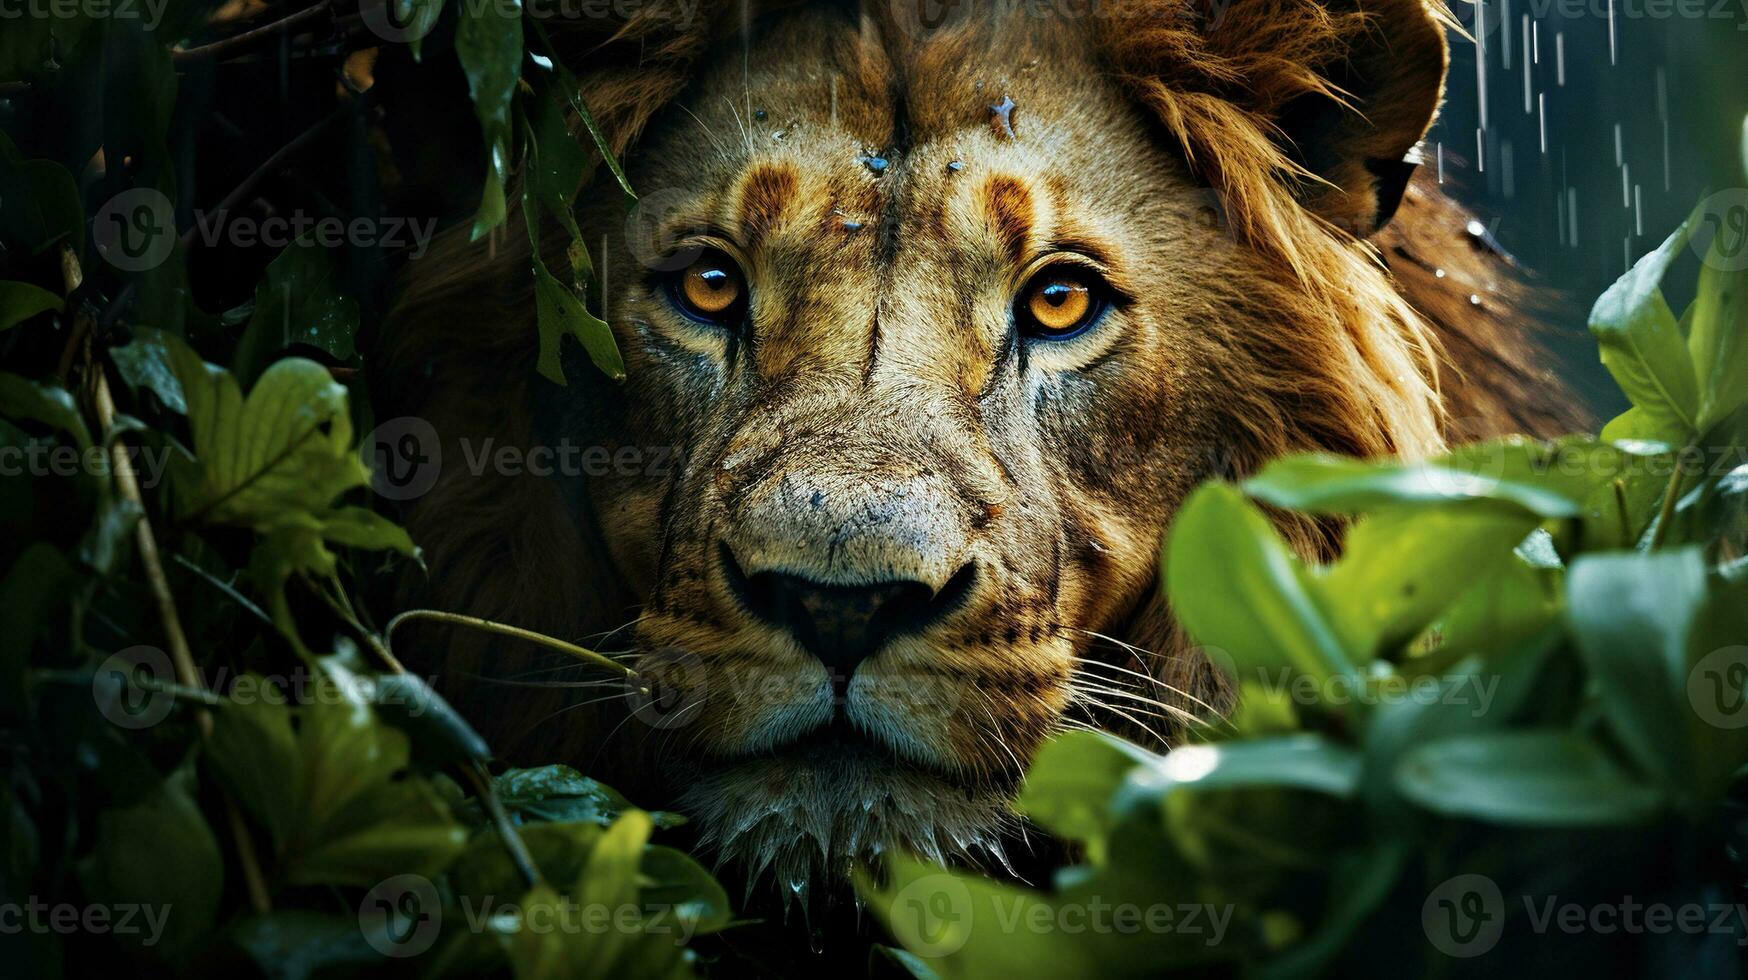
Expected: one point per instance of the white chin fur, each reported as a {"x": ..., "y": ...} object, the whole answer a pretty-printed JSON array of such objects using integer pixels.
[{"x": 813, "y": 816}]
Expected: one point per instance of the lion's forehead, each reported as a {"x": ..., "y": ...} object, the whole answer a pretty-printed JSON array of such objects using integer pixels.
[{"x": 820, "y": 133}]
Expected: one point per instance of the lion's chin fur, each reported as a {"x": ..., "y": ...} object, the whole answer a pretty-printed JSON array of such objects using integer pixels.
[{"x": 807, "y": 819}]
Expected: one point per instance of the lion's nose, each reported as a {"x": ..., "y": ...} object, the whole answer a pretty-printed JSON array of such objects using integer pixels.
[{"x": 843, "y": 625}]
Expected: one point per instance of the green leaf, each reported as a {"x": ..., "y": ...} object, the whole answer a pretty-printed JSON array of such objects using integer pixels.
[
  {"x": 560, "y": 313},
  {"x": 488, "y": 41},
  {"x": 567, "y": 85},
  {"x": 1718, "y": 339},
  {"x": 1234, "y": 585},
  {"x": 561, "y": 794},
  {"x": 558, "y": 167},
  {"x": 359, "y": 527},
  {"x": 1070, "y": 784},
  {"x": 438, "y": 732},
  {"x": 1717, "y": 692},
  {"x": 159, "y": 854},
  {"x": 418, "y": 18},
  {"x": 32, "y": 46},
  {"x": 145, "y": 363},
  {"x": 50, "y": 404},
  {"x": 1531, "y": 778},
  {"x": 38, "y": 585},
  {"x": 561, "y": 851},
  {"x": 1631, "y": 615},
  {"x": 358, "y": 819},
  {"x": 672, "y": 881},
  {"x": 299, "y": 301},
  {"x": 963, "y": 925},
  {"x": 610, "y": 882},
  {"x": 1547, "y": 479},
  {"x": 912, "y": 964},
  {"x": 39, "y": 205},
  {"x": 255, "y": 754},
  {"x": 296, "y": 944},
  {"x": 109, "y": 540},
  {"x": 284, "y": 453},
  {"x": 1395, "y": 574},
  {"x": 1300, "y": 762},
  {"x": 19, "y": 301},
  {"x": 1642, "y": 345},
  {"x": 1497, "y": 608}
]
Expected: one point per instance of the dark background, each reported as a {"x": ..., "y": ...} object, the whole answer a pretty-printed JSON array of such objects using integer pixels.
[{"x": 1676, "y": 89}]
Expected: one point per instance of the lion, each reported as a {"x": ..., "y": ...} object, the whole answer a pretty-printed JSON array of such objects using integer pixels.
[{"x": 934, "y": 315}]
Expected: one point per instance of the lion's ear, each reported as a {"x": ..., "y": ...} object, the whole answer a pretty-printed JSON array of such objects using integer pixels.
[
  {"x": 1330, "y": 96},
  {"x": 1362, "y": 139}
]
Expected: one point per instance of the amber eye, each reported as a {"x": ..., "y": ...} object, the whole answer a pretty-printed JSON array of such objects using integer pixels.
[
  {"x": 1059, "y": 303},
  {"x": 711, "y": 289}
]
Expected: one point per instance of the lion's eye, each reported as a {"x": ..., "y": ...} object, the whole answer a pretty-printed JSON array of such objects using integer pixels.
[
  {"x": 1059, "y": 303},
  {"x": 711, "y": 289}
]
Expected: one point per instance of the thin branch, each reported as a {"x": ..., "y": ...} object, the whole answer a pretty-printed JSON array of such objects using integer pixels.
[
  {"x": 477, "y": 774},
  {"x": 230, "y": 200},
  {"x": 223, "y": 49},
  {"x": 1671, "y": 493},
  {"x": 585, "y": 655},
  {"x": 268, "y": 166},
  {"x": 146, "y": 543}
]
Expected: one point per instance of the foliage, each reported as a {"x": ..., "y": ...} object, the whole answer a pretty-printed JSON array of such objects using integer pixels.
[
  {"x": 1523, "y": 680},
  {"x": 202, "y": 717},
  {"x": 202, "y": 722}
]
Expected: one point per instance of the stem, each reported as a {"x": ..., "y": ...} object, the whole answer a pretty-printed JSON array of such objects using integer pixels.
[
  {"x": 268, "y": 166},
  {"x": 1666, "y": 513},
  {"x": 221, "y": 49},
  {"x": 518, "y": 848},
  {"x": 587, "y": 656},
  {"x": 477, "y": 774},
  {"x": 146, "y": 543}
]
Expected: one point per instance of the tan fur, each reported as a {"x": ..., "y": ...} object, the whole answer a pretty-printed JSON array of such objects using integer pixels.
[{"x": 880, "y": 420}]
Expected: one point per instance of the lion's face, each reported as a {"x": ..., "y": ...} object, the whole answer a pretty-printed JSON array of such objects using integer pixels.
[
  {"x": 937, "y": 343},
  {"x": 939, "y": 329}
]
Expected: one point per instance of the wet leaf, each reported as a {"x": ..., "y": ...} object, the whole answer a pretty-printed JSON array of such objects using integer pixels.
[
  {"x": 1235, "y": 586},
  {"x": 1531, "y": 778},
  {"x": 488, "y": 39},
  {"x": 561, "y": 794},
  {"x": 560, "y": 313},
  {"x": 160, "y": 854},
  {"x": 19, "y": 301},
  {"x": 145, "y": 363},
  {"x": 50, "y": 404},
  {"x": 1643, "y": 348},
  {"x": 1631, "y": 615},
  {"x": 1544, "y": 479},
  {"x": 39, "y": 205},
  {"x": 283, "y": 453},
  {"x": 299, "y": 301}
]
